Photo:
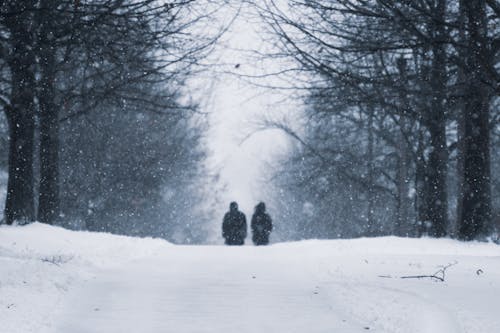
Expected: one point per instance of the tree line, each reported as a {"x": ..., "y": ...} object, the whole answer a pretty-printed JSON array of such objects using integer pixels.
[
  {"x": 401, "y": 121},
  {"x": 99, "y": 126}
]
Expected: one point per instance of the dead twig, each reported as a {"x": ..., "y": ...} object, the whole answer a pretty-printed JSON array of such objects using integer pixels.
[{"x": 438, "y": 275}]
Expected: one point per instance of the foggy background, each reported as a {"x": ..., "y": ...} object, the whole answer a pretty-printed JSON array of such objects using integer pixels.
[{"x": 347, "y": 121}]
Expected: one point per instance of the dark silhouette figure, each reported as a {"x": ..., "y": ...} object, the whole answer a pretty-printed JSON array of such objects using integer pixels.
[
  {"x": 234, "y": 226},
  {"x": 261, "y": 225}
]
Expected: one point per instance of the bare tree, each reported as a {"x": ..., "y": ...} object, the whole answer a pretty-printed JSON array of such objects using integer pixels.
[
  {"x": 480, "y": 85},
  {"x": 402, "y": 61},
  {"x": 73, "y": 56}
]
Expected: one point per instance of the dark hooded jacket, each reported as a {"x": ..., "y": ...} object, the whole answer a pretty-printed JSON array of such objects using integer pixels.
[
  {"x": 234, "y": 226},
  {"x": 261, "y": 225}
]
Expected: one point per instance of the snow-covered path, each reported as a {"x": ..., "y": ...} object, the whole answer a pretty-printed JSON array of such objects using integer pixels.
[
  {"x": 58, "y": 281},
  {"x": 288, "y": 288},
  {"x": 206, "y": 289}
]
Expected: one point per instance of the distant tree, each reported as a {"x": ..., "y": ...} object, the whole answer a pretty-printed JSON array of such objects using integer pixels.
[{"x": 131, "y": 171}]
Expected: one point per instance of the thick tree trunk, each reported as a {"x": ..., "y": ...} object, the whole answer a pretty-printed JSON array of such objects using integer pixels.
[
  {"x": 436, "y": 173},
  {"x": 20, "y": 205},
  {"x": 48, "y": 204},
  {"x": 474, "y": 197},
  {"x": 438, "y": 157}
]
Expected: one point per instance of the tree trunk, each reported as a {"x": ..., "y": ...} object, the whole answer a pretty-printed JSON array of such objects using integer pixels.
[
  {"x": 401, "y": 226},
  {"x": 421, "y": 185},
  {"x": 371, "y": 228},
  {"x": 19, "y": 204},
  {"x": 437, "y": 172},
  {"x": 48, "y": 204},
  {"x": 422, "y": 225},
  {"x": 474, "y": 196},
  {"x": 438, "y": 156},
  {"x": 403, "y": 186}
]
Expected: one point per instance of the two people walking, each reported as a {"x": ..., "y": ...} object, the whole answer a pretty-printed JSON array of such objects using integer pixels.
[{"x": 234, "y": 225}]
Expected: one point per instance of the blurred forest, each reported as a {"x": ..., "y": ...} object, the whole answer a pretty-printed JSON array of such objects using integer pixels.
[
  {"x": 103, "y": 135},
  {"x": 399, "y": 132}
]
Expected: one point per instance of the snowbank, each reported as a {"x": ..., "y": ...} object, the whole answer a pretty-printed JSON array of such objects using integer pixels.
[
  {"x": 40, "y": 264},
  {"x": 398, "y": 246},
  {"x": 351, "y": 285}
]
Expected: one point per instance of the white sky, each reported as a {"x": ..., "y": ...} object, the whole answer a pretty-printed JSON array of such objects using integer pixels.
[{"x": 235, "y": 108}]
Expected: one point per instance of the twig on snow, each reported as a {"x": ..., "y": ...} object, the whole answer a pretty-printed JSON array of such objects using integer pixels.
[{"x": 438, "y": 275}]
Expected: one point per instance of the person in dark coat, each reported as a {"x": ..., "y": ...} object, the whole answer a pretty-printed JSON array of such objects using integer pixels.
[
  {"x": 234, "y": 226},
  {"x": 261, "y": 225}
]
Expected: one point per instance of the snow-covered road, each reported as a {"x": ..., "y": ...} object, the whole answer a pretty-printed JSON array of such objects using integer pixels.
[
  {"x": 274, "y": 289},
  {"x": 206, "y": 289},
  {"x": 58, "y": 281}
]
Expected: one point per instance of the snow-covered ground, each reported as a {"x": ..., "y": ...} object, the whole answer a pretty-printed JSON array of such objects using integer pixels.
[{"x": 55, "y": 280}]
